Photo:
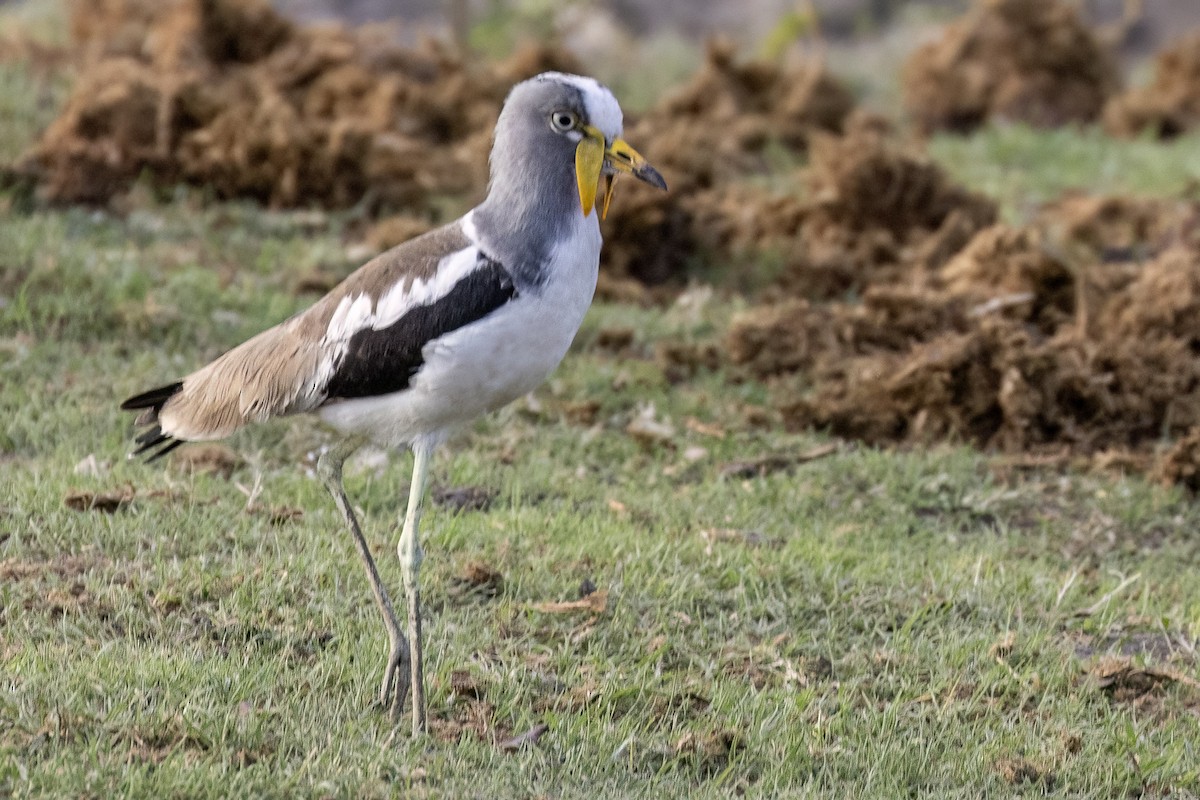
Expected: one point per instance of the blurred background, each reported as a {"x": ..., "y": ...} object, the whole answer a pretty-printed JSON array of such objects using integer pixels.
[
  {"x": 925, "y": 221},
  {"x": 883, "y": 429},
  {"x": 747, "y": 21}
]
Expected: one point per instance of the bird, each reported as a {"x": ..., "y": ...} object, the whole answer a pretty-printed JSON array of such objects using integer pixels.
[{"x": 432, "y": 333}]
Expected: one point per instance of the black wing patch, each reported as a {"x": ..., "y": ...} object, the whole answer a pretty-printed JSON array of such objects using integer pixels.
[{"x": 383, "y": 361}]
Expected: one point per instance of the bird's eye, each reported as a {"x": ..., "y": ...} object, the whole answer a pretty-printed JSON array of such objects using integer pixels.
[{"x": 562, "y": 121}]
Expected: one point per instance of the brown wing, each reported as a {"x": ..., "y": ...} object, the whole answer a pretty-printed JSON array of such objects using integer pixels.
[{"x": 282, "y": 370}]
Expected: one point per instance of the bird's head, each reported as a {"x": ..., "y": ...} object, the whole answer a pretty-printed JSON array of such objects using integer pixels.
[{"x": 556, "y": 120}]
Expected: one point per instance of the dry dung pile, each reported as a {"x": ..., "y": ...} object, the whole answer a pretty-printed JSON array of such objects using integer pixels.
[
  {"x": 704, "y": 136},
  {"x": 1029, "y": 60},
  {"x": 1051, "y": 339},
  {"x": 1117, "y": 228},
  {"x": 1170, "y": 104},
  {"x": 877, "y": 208},
  {"x": 230, "y": 95},
  {"x": 1181, "y": 463},
  {"x": 870, "y": 209}
]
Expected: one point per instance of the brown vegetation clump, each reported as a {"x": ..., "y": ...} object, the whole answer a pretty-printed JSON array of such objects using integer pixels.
[
  {"x": 870, "y": 208},
  {"x": 232, "y": 96},
  {"x": 1076, "y": 334},
  {"x": 1006, "y": 346},
  {"x": 875, "y": 207},
  {"x": 777, "y": 339},
  {"x": 862, "y": 181},
  {"x": 1029, "y": 60},
  {"x": 1170, "y": 104},
  {"x": 1117, "y": 227},
  {"x": 1162, "y": 302},
  {"x": 716, "y": 127},
  {"x": 1002, "y": 386},
  {"x": 1005, "y": 270},
  {"x": 705, "y": 135},
  {"x": 1180, "y": 465}
]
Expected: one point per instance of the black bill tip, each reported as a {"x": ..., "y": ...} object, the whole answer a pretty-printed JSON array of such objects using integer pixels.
[{"x": 648, "y": 174}]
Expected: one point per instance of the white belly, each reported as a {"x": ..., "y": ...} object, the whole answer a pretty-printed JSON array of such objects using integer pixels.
[{"x": 487, "y": 364}]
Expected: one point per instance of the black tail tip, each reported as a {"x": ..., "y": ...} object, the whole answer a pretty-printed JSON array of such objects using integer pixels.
[
  {"x": 155, "y": 398},
  {"x": 150, "y": 403}
]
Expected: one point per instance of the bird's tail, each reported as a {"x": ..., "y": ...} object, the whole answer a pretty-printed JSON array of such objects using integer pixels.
[{"x": 150, "y": 404}]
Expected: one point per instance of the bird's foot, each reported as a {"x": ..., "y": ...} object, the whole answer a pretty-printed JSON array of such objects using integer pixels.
[{"x": 396, "y": 680}]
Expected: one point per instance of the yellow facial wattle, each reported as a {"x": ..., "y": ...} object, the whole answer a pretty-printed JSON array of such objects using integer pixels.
[
  {"x": 593, "y": 154},
  {"x": 589, "y": 161}
]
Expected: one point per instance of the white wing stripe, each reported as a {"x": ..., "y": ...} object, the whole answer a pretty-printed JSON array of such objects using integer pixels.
[{"x": 357, "y": 312}]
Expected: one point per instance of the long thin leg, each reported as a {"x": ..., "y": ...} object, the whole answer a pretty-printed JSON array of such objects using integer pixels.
[
  {"x": 411, "y": 555},
  {"x": 396, "y": 670}
]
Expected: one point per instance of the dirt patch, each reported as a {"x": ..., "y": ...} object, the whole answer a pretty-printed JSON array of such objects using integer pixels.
[
  {"x": 208, "y": 458},
  {"x": 1018, "y": 771},
  {"x": 1114, "y": 228},
  {"x": 873, "y": 211},
  {"x": 468, "y": 717},
  {"x": 1180, "y": 464},
  {"x": 1004, "y": 385},
  {"x": 109, "y": 502},
  {"x": 1170, "y": 104},
  {"x": 1029, "y": 60},
  {"x": 1075, "y": 335},
  {"x": 233, "y": 97},
  {"x": 477, "y": 581},
  {"x": 63, "y": 567},
  {"x": 709, "y": 752},
  {"x": 463, "y": 498},
  {"x": 716, "y": 129},
  {"x": 876, "y": 208},
  {"x": 1126, "y": 682}
]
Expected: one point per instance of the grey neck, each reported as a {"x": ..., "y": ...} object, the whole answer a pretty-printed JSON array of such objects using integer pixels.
[{"x": 531, "y": 205}]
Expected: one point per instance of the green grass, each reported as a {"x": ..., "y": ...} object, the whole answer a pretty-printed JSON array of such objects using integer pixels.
[
  {"x": 28, "y": 103},
  {"x": 1023, "y": 167},
  {"x": 870, "y": 624},
  {"x": 841, "y": 642}
]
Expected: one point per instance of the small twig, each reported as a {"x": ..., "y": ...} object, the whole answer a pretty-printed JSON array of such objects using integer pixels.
[
  {"x": 253, "y": 493},
  {"x": 757, "y": 467},
  {"x": 596, "y": 603},
  {"x": 1000, "y": 303},
  {"x": 529, "y": 737},
  {"x": 1103, "y": 601},
  {"x": 1066, "y": 587}
]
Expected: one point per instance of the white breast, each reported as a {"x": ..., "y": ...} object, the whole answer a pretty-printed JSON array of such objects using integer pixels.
[{"x": 489, "y": 363}]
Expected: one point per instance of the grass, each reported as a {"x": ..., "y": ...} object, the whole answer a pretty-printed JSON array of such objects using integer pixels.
[
  {"x": 1023, "y": 167},
  {"x": 869, "y": 624}
]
